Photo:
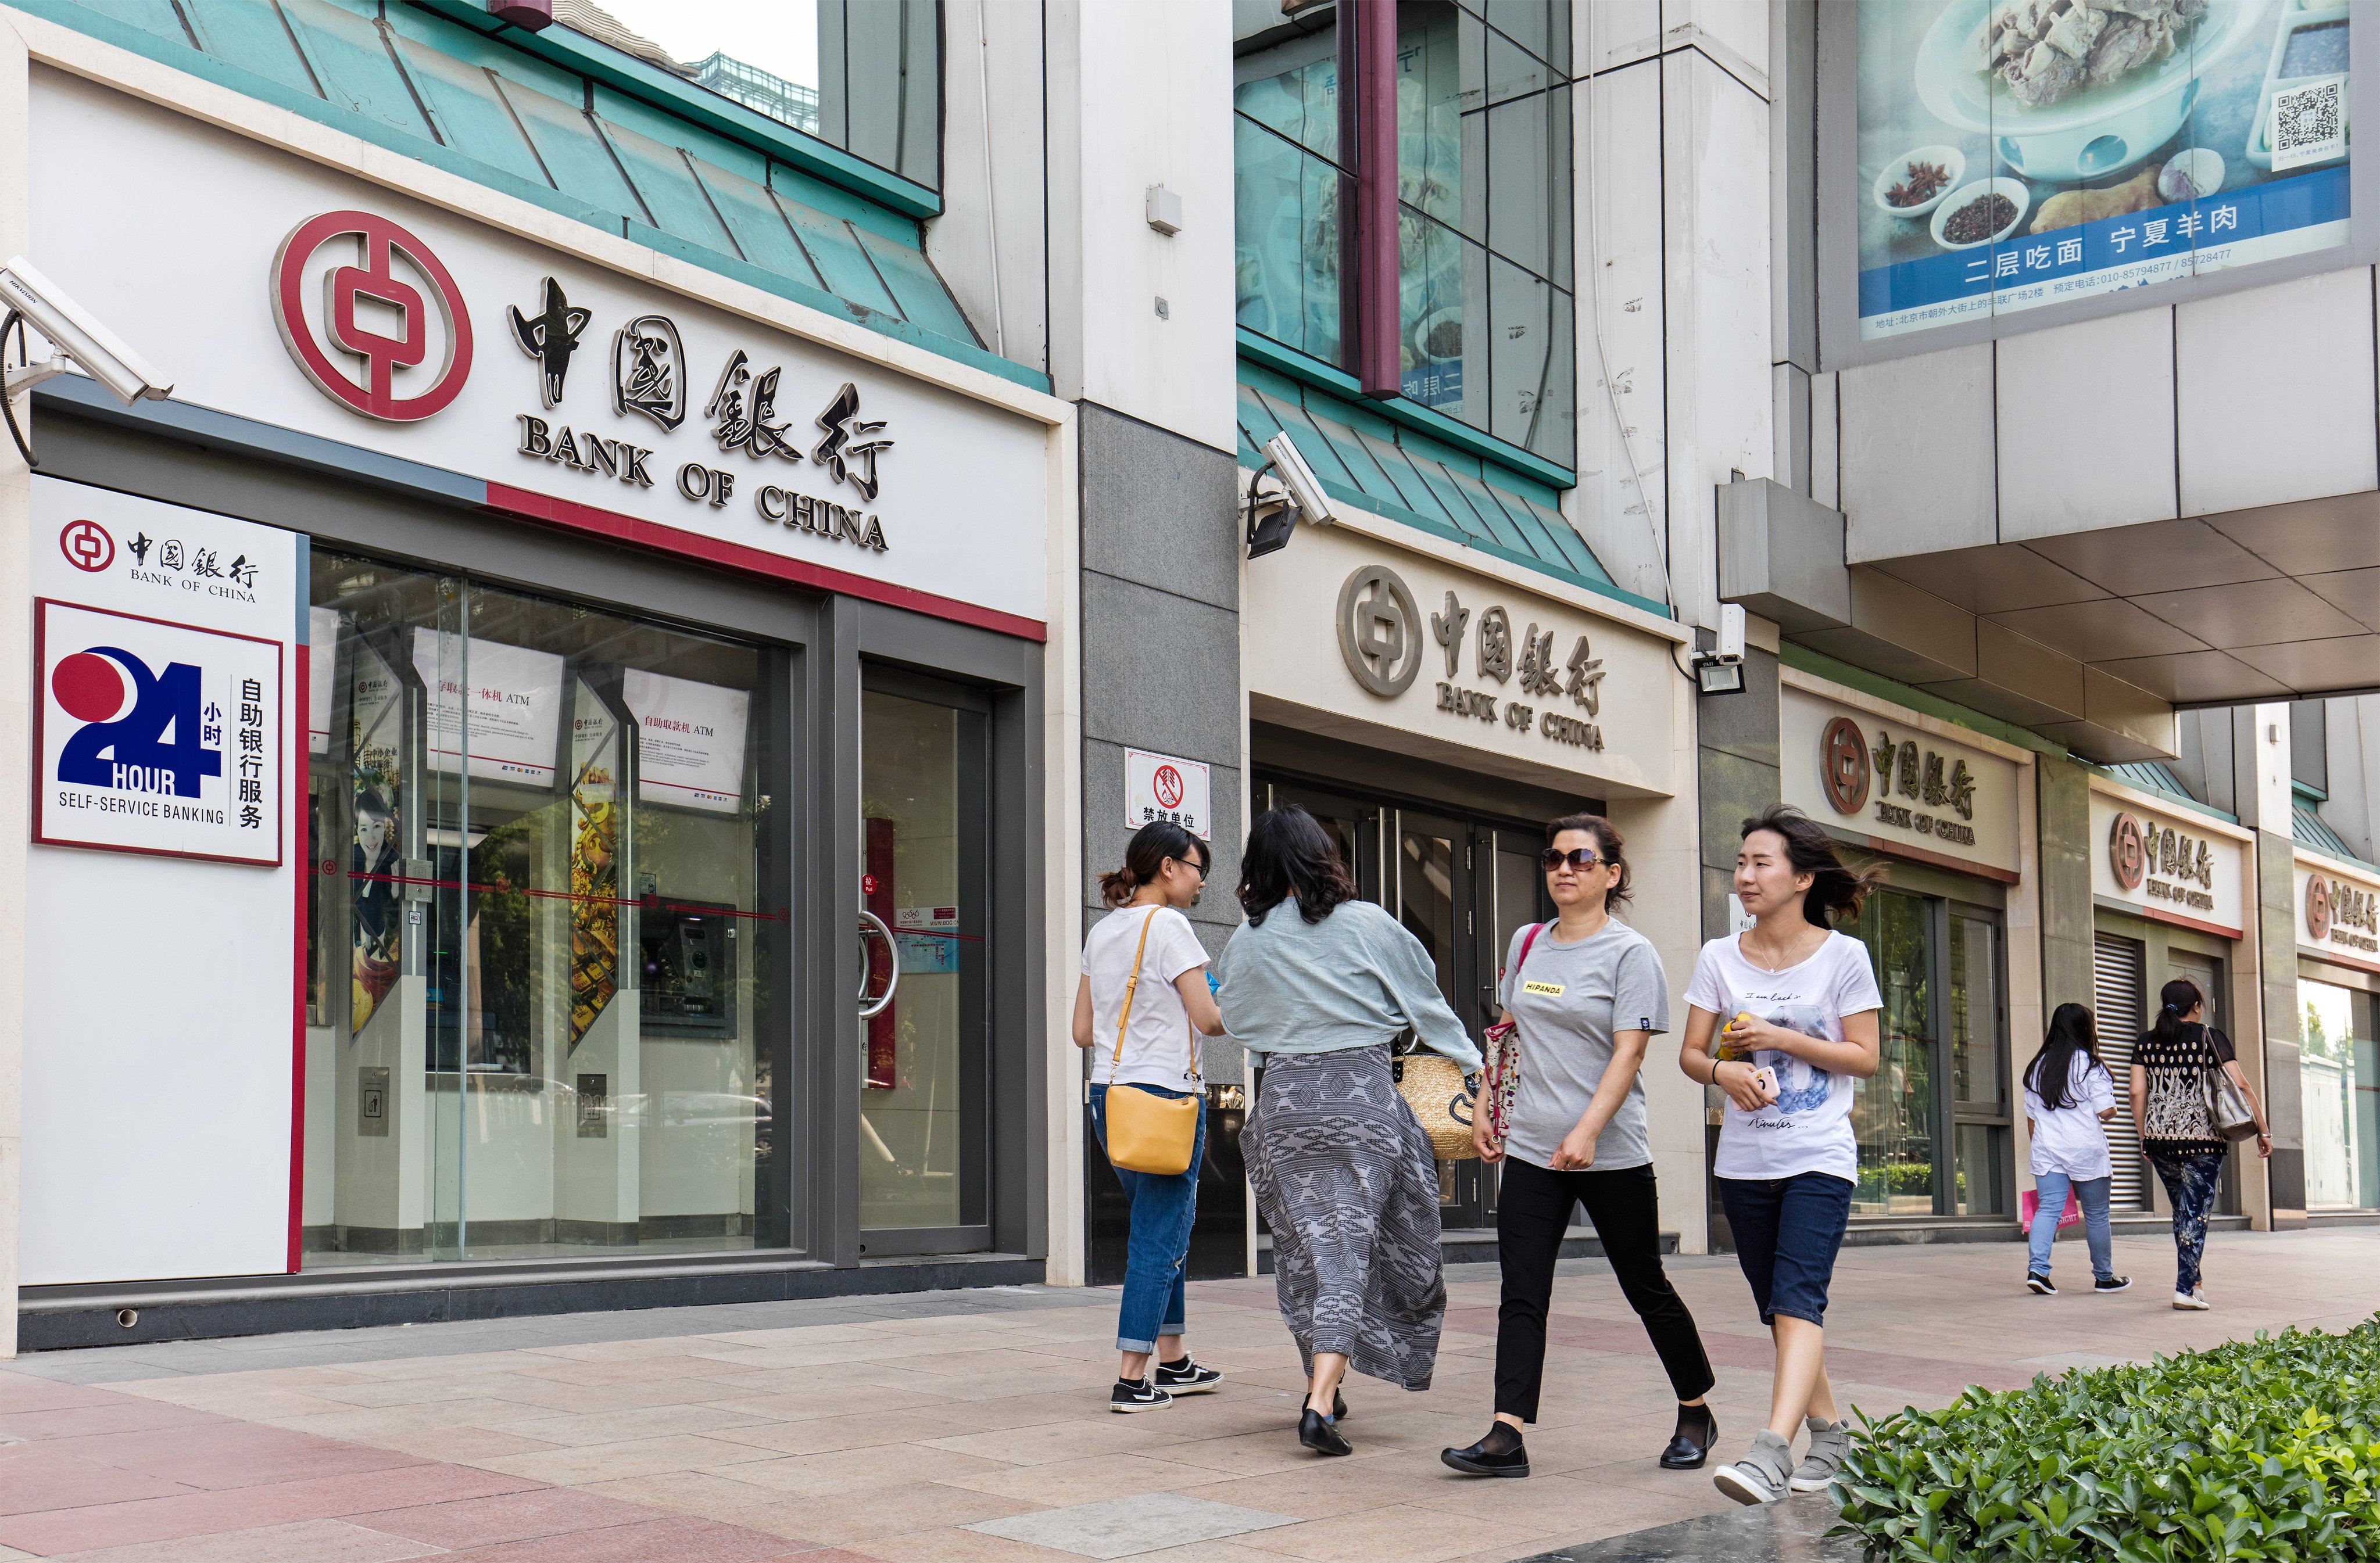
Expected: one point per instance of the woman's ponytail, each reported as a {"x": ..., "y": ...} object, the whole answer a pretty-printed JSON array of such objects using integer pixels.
[
  {"x": 1143, "y": 860},
  {"x": 2179, "y": 998}
]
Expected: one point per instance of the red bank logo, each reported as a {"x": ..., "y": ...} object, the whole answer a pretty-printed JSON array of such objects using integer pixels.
[
  {"x": 365, "y": 308},
  {"x": 87, "y": 546}
]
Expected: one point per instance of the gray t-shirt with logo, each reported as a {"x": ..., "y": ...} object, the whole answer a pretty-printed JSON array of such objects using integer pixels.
[{"x": 1569, "y": 999}]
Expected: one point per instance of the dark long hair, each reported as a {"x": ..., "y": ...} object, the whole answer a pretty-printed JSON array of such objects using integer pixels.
[
  {"x": 1289, "y": 853},
  {"x": 2072, "y": 1030},
  {"x": 1145, "y": 859},
  {"x": 2179, "y": 998},
  {"x": 1608, "y": 843},
  {"x": 1835, "y": 891}
]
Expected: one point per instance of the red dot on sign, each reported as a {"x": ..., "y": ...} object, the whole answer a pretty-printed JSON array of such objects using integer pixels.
[
  {"x": 868, "y": 884},
  {"x": 89, "y": 688}
]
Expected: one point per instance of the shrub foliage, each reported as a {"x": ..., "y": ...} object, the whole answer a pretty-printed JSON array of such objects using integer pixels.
[{"x": 2263, "y": 1448}]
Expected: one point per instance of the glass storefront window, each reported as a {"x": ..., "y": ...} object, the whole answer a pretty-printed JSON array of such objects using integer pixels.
[
  {"x": 1286, "y": 200},
  {"x": 1893, "y": 1110},
  {"x": 1486, "y": 317},
  {"x": 2335, "y": 1045},
  {"x": 864, "y": 74},
  {"x": 543, "y": 957},
  {"x": 925, "y": 1119}
]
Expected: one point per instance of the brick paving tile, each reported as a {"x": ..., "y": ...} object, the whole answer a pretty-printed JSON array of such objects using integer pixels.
[
  {"x": 507, "y": 1517},
  {"x": 197, "y": 1514},
  {"x": 229, "y": 1454},
  {"x": 677, "y": 1538},
  {"x": 120, "y": 1414},
  {"x": 308, "y": 1541},
  {"x": 34, "y": 1477}
]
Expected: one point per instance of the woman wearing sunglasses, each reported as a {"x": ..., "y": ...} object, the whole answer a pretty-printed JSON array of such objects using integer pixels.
[{"x": 1587, "y": 993}]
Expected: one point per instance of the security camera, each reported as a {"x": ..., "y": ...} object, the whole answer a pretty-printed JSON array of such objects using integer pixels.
[
  {"x": 1729, "y": 649},
  {"x": 96, "y": 350},
  {"x": 1303, "y": 486}
]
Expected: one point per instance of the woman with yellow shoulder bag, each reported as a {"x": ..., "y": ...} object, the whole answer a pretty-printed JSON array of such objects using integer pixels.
[{"x": 1144, "y": 990}]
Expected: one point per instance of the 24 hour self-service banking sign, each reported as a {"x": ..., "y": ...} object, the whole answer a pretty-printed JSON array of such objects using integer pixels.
[{"x": 162, "y": 641}]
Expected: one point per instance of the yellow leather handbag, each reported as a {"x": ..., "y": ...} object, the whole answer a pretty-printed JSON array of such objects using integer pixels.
[{"x": 1147, "y": 1133}]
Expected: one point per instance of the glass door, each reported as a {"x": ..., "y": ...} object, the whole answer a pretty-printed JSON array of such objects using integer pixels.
[
  {"x": 925, "y": 1127},
  {"x": 1893, "y": 1110},
  {"x": 553, "y": 1037}
]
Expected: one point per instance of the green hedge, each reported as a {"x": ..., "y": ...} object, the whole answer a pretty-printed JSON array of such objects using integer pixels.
[{"x": 2263, "y": 1448}]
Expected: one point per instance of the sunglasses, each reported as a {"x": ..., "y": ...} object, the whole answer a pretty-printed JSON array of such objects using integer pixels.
[
  {"x": 1577, "y": 857},
  {"x": 1192, "y": 864}
]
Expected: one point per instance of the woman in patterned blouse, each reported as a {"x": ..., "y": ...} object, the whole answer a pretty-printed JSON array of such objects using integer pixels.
[{"x": 2177, "y": 1130}]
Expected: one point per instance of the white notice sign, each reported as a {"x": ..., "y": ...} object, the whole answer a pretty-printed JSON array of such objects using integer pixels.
[
  {"x": 157, "y": 737},
  {"x": 1161, "y": 787},
  {"x": 689, "y": 740},
  {"x": 516, "y": 706},
  {"x": 322, "y": 661}
]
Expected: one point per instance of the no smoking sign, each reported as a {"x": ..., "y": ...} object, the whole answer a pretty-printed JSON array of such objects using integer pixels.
[{"x": 1164, "y": 787}]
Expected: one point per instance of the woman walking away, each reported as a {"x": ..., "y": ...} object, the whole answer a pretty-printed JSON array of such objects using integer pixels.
[
  {"x": 1146, "y": 1028},
  {"x": 1800, "y": 1006},
  {"x": 2068, "y": 1096},
  {"x": 1587, "y": 993},
  {"x": 1320, "y": 984},
  {"x": 2178, "y": 1131}
]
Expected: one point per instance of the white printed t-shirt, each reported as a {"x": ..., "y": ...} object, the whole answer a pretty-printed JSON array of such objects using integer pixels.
[
  {"x": 2072, "y": 1139},
  {"x": 1157, "y": 1045},
  {"x": 1808, "y": 1127}
]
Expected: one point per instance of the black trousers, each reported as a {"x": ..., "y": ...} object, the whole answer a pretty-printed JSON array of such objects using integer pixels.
[{"x": 1532, "y": 1214}]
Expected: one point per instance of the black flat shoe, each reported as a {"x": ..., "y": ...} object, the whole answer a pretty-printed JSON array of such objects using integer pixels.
[
  {"x": 1477, "y": 1461},
  {"x": 1338, "y": 1406},
  {"x": 1684, "y": 1454},
  {"x": 1314, "y": 1430}
]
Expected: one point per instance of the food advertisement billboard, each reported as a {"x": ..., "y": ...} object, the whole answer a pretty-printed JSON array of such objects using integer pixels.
[{"x": 2019, "y": 153}]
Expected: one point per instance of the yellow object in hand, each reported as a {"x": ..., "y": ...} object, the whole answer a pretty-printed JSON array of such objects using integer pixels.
[{"x": 1727, "y": 1050}]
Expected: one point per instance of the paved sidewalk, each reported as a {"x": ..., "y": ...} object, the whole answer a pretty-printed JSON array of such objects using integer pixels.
[{"x": 972, "y": 1425}]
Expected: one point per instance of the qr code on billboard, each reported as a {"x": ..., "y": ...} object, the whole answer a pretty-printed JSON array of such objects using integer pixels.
[{"x": 2309, "y": 124}]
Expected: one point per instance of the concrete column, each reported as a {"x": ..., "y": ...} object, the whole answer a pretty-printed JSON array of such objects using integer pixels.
[
  {"x": 16, "y": 680},
  {"x": 2273, "y": 1192}
]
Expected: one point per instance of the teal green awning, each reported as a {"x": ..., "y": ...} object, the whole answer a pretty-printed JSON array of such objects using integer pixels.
[
  {"x": 458, "y": 98},
  {"x": 1365, "y": 460}
]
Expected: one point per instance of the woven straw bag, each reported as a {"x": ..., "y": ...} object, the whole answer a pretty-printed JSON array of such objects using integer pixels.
[{"x": 1440, "y": 1096}]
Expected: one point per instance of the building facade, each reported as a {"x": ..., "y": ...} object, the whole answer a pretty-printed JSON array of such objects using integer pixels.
[{"x": 666, "y": 554}]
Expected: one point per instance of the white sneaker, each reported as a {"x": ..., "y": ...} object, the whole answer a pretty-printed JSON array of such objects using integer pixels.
[{"x": 2190, "y": 1302}]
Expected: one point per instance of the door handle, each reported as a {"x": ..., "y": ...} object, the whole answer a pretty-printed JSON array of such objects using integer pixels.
[{"x": 872, "y": 926}]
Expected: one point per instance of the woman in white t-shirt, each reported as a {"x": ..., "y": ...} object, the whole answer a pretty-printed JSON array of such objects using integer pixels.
[
  {"x": 1799, "y": 1001},
  {"x": 1163, "y": 871},
  {"x": 2068, "y": 1096}
]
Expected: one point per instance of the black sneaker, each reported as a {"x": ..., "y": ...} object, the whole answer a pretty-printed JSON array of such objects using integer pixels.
[
  {"x": 2112, "y": 1283},
  {"x": 1144, "y": 1396},
  {"x": 1186, "y": 1377},
  {"x": 2038, "y": 1282}
]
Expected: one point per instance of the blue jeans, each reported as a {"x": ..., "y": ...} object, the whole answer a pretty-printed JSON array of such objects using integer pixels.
[
  {"x": 2190, "y": 1183},
  {"x": 1162, "y": 1210},
  {"x": 2092, "y": 1194},
  {"x": 1787, "y": 1233}
]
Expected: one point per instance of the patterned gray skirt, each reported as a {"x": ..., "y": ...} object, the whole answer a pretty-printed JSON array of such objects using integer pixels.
[{"x": 1344, "y": 1177}]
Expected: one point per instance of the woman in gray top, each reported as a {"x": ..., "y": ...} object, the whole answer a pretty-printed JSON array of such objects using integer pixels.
[
  {"x": 1588, "y": 994},
  {"x": 1320, "y": 984}
]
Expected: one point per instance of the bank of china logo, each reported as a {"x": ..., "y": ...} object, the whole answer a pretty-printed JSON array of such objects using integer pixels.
[{"x": 373, "y": 316}]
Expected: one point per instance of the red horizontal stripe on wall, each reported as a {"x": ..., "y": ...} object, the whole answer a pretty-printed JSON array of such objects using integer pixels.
[{"x": 752, "y": 561}]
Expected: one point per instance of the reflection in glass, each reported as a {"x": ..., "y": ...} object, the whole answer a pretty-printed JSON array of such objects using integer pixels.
[
  {"x": 2327, "y": 1081},
  {"x": 1426, "y": 899},
  {"x": 923, "y": 1120},
  {"x": 1286, "y": 260},
  {"x": 548, "y": 1040},
  {"x": 1981, "y": 1186},
  {"x": 1978, "y": 1062},
  {"x": 1892, "y": 1111}
]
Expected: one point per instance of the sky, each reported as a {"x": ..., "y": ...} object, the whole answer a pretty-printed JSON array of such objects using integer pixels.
[{"x": 780, "y": 36}]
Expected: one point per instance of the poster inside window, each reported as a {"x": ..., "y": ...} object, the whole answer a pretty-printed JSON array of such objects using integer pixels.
[{"x": 2017, "y": 154}]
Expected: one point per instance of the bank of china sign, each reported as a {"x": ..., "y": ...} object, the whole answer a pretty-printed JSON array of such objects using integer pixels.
[
  {"x": 2167, "y": 865},
  {"x": 2338, "y": 912},
  {"x": 1537, "y": 678},
  {"x": 1898, "y": 787},
  {"x": 379, "y": 325}
]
